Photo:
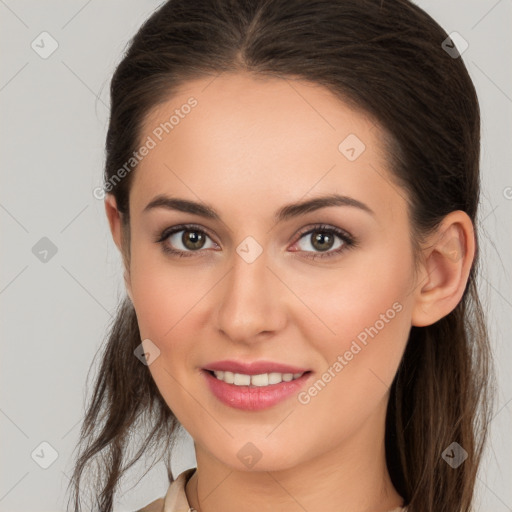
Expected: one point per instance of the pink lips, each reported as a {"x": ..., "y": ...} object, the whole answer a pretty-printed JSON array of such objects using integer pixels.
[
  {"x": 254, "y": 368},
  {"x": 253, "y": 398}
]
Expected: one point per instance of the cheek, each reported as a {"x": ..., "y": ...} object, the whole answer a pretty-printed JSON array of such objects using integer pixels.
[
  {"x": 166, "y": 303},
  {"x": 368, "y": 290},
  {"x": 164, "y": 295},
  {"x": 362, "y": 320},
  {"x": 370, "y": 324}
]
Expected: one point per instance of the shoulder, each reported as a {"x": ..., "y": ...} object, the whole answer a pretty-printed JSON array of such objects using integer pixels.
[
  {"x": 175, "y": 499},
  {"x": 154, "y": 506}
]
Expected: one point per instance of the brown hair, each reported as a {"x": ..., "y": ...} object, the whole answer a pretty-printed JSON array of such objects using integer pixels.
[{"x": 386, "y": 58}]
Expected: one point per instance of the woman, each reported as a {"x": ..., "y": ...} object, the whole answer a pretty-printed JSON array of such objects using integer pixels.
[{"x": 293, "y": 187}]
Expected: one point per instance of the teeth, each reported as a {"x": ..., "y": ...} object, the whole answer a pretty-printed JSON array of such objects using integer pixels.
[
  {"x": 241, "y": 380},
  {"x": 263, "y": 379}
]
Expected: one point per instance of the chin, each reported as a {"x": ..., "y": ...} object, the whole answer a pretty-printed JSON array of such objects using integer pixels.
[{"x": 254, "y": 457}]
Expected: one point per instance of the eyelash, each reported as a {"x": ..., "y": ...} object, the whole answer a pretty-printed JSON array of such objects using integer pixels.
[{"x": 348, "y": 241}]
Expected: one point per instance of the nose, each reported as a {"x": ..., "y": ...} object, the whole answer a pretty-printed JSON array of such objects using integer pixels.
[{"x": 252, "y": 301}]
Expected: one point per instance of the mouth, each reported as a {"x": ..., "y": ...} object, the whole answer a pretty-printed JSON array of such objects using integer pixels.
[
  {"x": 254, "y": 392},
  {"x": 259, "y": 380}
]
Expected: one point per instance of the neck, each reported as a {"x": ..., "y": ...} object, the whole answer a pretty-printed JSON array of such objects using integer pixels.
[{"x": 351, "y": 476}]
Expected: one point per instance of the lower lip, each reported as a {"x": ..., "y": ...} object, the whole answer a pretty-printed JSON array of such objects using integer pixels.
[{"x": 253, "y": 398}]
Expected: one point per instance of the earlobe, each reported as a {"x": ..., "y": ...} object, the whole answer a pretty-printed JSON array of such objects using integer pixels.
[
  {"x": 445, "y": 271},
  {"x": 128, "y": 285}
]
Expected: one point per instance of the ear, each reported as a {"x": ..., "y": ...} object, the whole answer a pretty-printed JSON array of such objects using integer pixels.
[
  {"x": 445, "y": 269},
  {"x": 115, "y": 222}
]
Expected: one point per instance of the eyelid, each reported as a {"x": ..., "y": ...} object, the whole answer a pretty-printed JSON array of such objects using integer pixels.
[
  {"x": 325, "y": 227},
  {"x": 167, "y": 232},
  {"x": 162, "y": 236}
]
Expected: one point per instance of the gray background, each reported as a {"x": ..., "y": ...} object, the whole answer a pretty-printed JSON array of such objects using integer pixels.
[{"x": 54, "y": 114}]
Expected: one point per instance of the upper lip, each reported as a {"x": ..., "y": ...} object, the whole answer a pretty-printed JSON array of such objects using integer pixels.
[{"x": 253, "y": 368}]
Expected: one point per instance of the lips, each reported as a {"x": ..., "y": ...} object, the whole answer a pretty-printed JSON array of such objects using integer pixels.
[
  {"x": 252, "y": 397},
  {"x": 249, "y": 398},
  {"x": 253, "y": 368}
]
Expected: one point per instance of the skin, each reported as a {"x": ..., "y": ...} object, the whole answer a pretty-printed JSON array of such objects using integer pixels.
[{"x": 249, "y": 147}]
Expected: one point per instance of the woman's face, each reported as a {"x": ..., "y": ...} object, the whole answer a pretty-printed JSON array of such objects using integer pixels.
[{"x": 263, "y": 281}]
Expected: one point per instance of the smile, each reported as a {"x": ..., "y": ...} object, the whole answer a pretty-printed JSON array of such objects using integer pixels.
[
  {"x": 254, "y": 392},
  {"x": 263, "y": 379}
]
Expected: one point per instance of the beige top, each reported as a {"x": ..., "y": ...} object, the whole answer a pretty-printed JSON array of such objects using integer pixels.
[{"x": 175, "y": 499}]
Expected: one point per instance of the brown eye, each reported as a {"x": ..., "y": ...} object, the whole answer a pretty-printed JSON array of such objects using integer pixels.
[
  {"x": 322, "y": 241},
  {"x": 184, "y": 240},
  {"x": 193, "y": 239}
]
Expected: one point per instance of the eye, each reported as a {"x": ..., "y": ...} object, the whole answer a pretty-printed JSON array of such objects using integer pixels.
[
  {"x": 183, "y": 240},
  {"x": 322, "y": 238}
]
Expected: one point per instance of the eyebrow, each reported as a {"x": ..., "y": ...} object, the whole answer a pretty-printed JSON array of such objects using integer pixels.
[{"x": 286, "y": 212}]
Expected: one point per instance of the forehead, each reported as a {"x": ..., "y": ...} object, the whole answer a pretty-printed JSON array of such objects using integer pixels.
[
  {"x": 260, "y": 105},
  {"x": 245, "y": 133}
]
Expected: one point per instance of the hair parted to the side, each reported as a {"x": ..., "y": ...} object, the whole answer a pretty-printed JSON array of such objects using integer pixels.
[{"x": 385, "y": 58}]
